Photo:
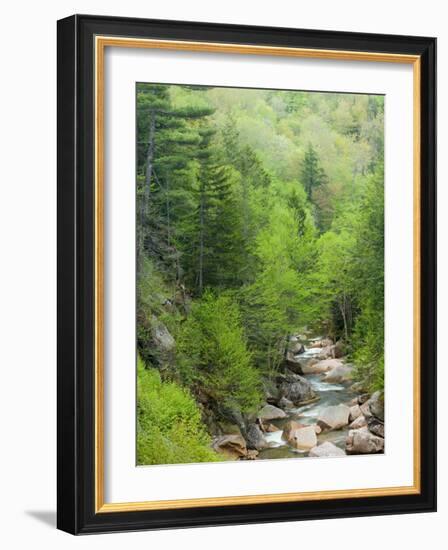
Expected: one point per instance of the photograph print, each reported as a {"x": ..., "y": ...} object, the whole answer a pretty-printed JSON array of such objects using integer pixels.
[{"x": 260, "y": 274}]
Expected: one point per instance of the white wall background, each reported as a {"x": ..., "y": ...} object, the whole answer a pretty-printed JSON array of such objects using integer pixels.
[{"x": 28, "y": 269}]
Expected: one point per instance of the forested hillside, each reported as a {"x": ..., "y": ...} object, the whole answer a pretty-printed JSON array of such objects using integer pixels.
[{"x": 260, "y": 227}]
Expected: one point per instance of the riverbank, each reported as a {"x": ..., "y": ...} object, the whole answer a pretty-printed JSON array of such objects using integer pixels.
[{"x": 312, "y": 409}]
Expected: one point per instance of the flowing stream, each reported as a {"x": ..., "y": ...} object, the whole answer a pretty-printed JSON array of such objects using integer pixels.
[{"x": 329, "y": 394}]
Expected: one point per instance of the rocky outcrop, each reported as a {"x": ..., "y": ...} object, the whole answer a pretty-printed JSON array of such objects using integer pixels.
[
  {"x": 334, "y": 417},
  {"x": 269, "y": 412},
  {"x": 326, "y": 449},
  {"x": 161, "y": 336},
  {"x": 233, "y": 446},
  {"x": 362, "y": 441},
  {"x": 339, "y": 374}
]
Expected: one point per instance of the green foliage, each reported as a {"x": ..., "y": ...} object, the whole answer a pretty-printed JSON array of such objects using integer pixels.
[
  {"x": 274, "y": 304},
  {"x": 220, "y": 363},
  {"x": 368, "y": 273},
  {"x": 263, "y": 210},
  {"x": 169, "y": 426}
]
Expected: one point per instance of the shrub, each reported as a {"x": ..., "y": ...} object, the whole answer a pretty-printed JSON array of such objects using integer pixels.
[
  {"x": 169, "y": 426},
  {"x": 215, "y": 351}
]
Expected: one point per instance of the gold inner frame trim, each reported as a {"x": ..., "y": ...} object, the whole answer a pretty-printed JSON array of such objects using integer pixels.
[{"x": 101, "y": 42}]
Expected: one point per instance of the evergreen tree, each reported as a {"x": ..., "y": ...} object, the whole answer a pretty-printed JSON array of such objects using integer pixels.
[{"x": 312, "y": 174}]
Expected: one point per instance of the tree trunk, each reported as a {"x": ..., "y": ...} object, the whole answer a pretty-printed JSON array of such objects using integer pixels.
[
  {"x": 342, "y": 306},
  {"x": 149, "y": 159},
  {"x": 201, "y": 242},
  {"x": 168, "y": 213}
]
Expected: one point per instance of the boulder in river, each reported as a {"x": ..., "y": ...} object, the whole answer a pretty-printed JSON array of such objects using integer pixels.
[
  {"x": 269, "y": 412},
  {"x": 321, "y": 342},
  {"x": 285, "y": 404},
  {"x": 359, "y": 422},
  {"x": 376, "y": 405},
  {"x": 290, "y": 427},
  {"x": 232, "y": 445},
  {"x": 355, "y": 411},
  {"x": 375, "y": 426},
  {"x": 338, "y": 374},
  {"x": 324, "y": 366},
  {"x": 325, "y": 450},
  {"x": 294, "y": 364},
  {"x": 304, "y": 438},
  {"x": 326, "y": 353},
  {"x": 296, "y": 347},
  {"x": 334, "y": 417},
  {"x": 297, "y": 389},
  {"x": 255, "y": 438},
  {"x": 363, "y": 442}
]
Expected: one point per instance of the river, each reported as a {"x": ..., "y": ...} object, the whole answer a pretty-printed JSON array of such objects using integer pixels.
[{"x": 329, "y": 394}]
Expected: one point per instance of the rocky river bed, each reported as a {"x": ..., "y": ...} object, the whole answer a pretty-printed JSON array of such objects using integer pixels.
[{"x": 313, "y": 409}]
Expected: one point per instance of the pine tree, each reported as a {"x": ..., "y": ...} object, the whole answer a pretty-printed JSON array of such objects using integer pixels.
[
  {"x": 312, "y": 174},
  {"x": 167, "y": 142}
]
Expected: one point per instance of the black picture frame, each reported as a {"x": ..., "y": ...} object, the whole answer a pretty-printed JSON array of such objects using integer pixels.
[{"x": 76, "y": 225}]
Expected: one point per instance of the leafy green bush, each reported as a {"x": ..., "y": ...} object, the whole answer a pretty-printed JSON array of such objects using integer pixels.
[
  {"x": 169, "y": 425},
  {"x": 219, "y": 362}
]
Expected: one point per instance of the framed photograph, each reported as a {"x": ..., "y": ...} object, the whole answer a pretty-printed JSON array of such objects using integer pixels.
[{"x": 246, "y": 274}]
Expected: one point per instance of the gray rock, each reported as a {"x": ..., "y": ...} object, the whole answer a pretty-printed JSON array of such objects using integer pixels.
[
  {"x": 269, "y": 412},
  {"x": 296, "y": 348},
  {"x": 363, "y": 442},
  {"x": 376, "y": 405},
  {"x": 255, "y": 438},
  {"x": 161, "y": 336},
  {"x": 294, "y": 364},
  {"x": 285, "y": 404},
  {"x": 363, "y": 397},
  {"x": 375, "y": 426},
  {"x": 334, "y": 417},
  {"x": 325, "y": 450},
  {"x": 296, "y": 389}
]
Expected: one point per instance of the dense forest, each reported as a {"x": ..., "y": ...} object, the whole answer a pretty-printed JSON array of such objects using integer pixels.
[{"x": 260, "y": 229}]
